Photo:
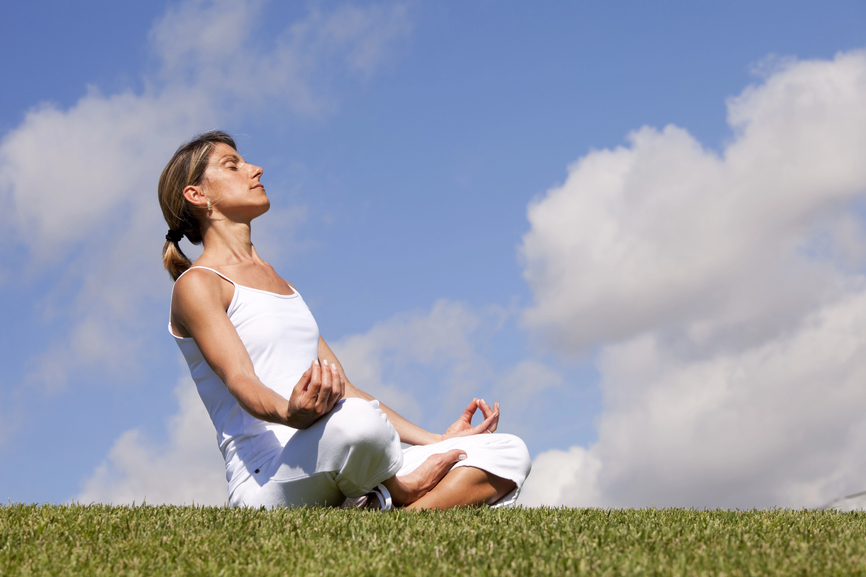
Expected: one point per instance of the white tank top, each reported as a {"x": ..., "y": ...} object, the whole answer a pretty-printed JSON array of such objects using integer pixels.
[{"x": 282, "y": 339}]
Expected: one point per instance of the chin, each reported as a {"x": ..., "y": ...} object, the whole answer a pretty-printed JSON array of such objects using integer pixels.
[{"x": 265, "y": 207}]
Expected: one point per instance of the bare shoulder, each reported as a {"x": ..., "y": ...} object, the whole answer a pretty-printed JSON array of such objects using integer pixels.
[
  {"x": 199, "y": 289},
  {"x": 197, "y": 281}
]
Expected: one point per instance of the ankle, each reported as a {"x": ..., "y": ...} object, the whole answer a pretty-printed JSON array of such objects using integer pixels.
[{"x": 400, "y": 494}]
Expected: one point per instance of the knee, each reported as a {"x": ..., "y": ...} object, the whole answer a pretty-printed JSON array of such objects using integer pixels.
[
  {"x": 515, "y": 451},
  {"x": 356, "y": 423}
]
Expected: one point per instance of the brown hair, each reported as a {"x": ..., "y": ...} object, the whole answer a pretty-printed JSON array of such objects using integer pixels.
[{"x": 186, "y": 168}]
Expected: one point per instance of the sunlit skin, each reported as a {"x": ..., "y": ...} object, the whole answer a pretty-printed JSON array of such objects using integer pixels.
[{"x": 199, "y": 304}]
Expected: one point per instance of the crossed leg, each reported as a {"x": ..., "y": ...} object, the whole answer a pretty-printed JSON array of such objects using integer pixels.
[
  {"x": 435, "y": 485},
  {"x": 463, "y": 487}
]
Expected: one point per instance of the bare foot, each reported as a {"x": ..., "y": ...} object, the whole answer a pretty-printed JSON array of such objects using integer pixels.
[{"x": 409, "y": 488}]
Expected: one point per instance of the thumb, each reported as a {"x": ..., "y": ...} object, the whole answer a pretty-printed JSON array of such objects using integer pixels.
[
  {"x": 304, "y": 381},
  {"x": 455, "y": 455}
]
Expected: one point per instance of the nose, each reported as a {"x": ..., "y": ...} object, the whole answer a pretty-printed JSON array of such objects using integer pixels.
[{"x": 257, "y": 171}]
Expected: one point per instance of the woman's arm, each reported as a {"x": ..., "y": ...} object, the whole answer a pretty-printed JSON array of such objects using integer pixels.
[
  {"x": 410, "y": 433},
  {"x": 198, "y": 309}
]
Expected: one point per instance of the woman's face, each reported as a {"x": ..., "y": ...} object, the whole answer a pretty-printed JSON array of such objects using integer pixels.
[{"x": 233, "y": 186}]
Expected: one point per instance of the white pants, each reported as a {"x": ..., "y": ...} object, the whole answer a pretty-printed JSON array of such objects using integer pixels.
[{"x": 354, "y": 448}]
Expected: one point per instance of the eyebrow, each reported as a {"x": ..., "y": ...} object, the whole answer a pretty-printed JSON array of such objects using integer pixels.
[{"x": 230, "y": 158}]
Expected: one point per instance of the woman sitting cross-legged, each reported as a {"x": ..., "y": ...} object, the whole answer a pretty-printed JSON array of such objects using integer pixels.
[{"x": 292, "y": 429}]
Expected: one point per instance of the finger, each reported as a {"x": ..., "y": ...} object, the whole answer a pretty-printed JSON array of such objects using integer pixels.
[
  {"x": 484, "y": 426},
  {"x": 339, "y": 384},
  {"x": 495, "y": 425},
  {"x": 325, "y": 390},
  {"x": 336, "y": 388},
  {"x": 328, "y": 384},
  {"x": 495, "y": 412},
  {"x": 485, "y": 408},
  {"x": 315, "y": 384}
]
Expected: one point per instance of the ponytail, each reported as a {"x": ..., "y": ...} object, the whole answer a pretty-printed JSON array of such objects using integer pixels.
[{"x": 173, "y": 259}]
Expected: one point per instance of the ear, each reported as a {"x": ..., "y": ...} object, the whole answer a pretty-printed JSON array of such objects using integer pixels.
[{"x": 195, "y": 196}]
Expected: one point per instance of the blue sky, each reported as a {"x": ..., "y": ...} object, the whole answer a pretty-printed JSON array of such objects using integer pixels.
[{"x": 403, "y": 146}]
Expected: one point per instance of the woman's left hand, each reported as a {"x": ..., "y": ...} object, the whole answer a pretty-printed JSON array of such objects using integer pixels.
[{"x": 463, "y": 426}]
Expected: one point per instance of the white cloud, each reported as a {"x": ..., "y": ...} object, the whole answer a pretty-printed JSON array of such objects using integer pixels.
[
  {"x": 187, "y": 469},
  {"x": 725, "y": 295},
  {"x": 750, "y": 428},
  {"x": 563, "y": 478},
  {"x": 69, "y": 173},
  {"x": 666, "y": 233}
]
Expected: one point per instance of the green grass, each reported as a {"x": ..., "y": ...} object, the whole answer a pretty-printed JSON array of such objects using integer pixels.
[{"x": 103, "y": 540}]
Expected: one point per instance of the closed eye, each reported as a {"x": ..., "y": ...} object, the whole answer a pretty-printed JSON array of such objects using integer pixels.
[{"x": 232, "y": 161}]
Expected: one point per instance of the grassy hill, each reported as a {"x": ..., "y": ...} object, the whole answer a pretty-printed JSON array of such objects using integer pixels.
[{"x": 165, "y": 540}]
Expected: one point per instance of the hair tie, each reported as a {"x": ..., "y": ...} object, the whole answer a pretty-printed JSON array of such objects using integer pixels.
[{"x": 174, "y": 236}]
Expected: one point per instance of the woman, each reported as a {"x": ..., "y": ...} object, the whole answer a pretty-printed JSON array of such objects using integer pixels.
[{"x": 292, "y": 429}]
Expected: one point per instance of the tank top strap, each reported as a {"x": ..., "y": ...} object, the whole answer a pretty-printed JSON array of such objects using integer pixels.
[{"x": 210, "y": 269}]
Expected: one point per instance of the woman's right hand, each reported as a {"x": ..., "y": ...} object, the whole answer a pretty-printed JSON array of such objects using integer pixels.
[
  {"x": 319, "y": 389},
  {"x": 462, "y": 427}
]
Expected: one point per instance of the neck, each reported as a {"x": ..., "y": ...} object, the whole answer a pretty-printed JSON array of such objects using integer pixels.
[{"x": 227, "y": 242}]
